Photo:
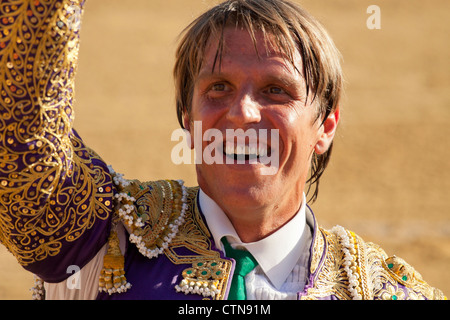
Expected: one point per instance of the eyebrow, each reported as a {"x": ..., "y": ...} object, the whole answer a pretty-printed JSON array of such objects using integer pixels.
[
  {"x": 284, "y": 78},
  {"x": 287, "y": 81}
]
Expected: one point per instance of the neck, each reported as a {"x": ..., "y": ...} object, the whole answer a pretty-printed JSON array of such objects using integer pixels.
[{"x": 255, "y": 224}]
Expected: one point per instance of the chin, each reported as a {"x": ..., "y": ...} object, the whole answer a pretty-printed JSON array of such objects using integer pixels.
[{"x": 243, "y": 195}]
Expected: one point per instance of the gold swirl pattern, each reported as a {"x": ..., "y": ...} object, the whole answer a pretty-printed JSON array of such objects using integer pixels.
[
  {"x": 378, "y": 276},
  {"x": 52, "y": 187},
  {"x": 163, "y": 217}
]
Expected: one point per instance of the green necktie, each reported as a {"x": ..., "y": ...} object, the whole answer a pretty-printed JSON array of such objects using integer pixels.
[{"x": 244, "y": 264}]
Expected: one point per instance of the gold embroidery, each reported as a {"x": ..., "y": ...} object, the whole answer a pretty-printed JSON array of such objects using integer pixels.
[
  {"x": 346, "y": 265},
  {"x": 331, "y": 278},
  {"x": 379, "y": 277},
  {"x": 205, "y": 278},
  {"x": 44, "y": 167},
  {"x": 112, "y": 276},
  {"x": 191, "y": 235},
  {"x": 162, "y": 217},
  {"x": 152, "y": 212},
  {"x": 392, "y": 292},
  {"x": 404, "y": 274},
  {"x": 194, "y": 236},
  {"x": 362, "y": 268}
]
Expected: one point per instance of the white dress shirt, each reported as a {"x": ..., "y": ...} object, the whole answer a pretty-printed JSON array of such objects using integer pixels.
[{"x": 282, "y": 257}]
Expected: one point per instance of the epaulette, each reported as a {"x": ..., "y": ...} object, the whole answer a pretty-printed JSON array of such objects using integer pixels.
[
  {"x": 405, "y": 282},
  {"x": 151, "y": 213},
  {"x": 372, "y": 275}
]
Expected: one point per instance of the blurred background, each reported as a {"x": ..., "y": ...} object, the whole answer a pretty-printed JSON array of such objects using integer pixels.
[{"x": 389, "y": 176}]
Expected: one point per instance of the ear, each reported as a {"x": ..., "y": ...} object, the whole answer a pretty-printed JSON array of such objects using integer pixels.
[
  {"x": 328, "y": 131},
  {"x": 187, "y": 127},
  {"x": 186, "y": 122}
]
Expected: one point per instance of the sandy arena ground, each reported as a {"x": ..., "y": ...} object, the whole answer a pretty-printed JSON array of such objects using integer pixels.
[{"x": 389, "y": 176}]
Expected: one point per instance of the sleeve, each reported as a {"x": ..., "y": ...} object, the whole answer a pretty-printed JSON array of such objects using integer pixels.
[{"x": 55, "y": 193}]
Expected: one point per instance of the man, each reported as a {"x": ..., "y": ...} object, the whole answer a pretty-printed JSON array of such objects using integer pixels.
[{"x": 245, "y": 66}]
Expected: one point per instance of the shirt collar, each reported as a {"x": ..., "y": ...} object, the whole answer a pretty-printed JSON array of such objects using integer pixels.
[{"x": 276, "y": 254}]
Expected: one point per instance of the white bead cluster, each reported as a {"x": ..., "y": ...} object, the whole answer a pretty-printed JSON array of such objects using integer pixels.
[
  {"x": 204, "y": 288},
  {"x": 126, "y": 213},
  {"x": 118, "y": 178},
  {"x": 126, "y": 210},
  {"x": 37, "y": 291},
  {"x": 173, "y": 227},
  {"x": 123, "y": 288},
  {"x": 348, "y": 247}
]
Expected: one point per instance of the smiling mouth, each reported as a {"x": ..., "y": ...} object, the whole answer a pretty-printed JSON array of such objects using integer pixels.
[{"x": 246, "y": 152}]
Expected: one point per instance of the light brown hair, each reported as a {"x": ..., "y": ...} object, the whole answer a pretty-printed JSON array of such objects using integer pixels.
[{"x": 293, "y": 29}]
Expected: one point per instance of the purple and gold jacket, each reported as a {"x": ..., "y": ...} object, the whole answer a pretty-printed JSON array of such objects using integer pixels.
[{"x": 60, "y": 205}]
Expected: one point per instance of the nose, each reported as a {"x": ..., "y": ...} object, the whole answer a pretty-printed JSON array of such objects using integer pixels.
[{"x": 244, "y": 110}]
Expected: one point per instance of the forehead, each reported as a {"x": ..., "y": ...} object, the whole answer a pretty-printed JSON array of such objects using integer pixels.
[{"x": 237, "y": 43}]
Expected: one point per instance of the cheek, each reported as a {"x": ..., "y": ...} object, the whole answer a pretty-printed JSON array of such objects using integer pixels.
[
  {"x": 203, "y": 120},
  {"x": 299, "y": 135},
  {"x": 203, "y": 111}
]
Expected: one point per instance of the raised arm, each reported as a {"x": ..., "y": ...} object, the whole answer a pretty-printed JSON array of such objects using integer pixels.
[{"x": 55, "y": 193}]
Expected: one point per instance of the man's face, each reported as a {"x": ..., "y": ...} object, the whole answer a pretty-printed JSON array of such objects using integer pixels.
[{"x": 254, "y": 91}]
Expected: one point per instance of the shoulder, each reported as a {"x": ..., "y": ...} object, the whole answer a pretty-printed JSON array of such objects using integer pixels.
[
  {"x": 371, "y": 273},
  {"x": 152, "y": 211}
]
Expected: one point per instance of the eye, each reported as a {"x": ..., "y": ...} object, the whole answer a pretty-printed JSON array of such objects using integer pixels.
[
  {"x": 275, "y": 90},
  {"x": 217, "y": 90},
  {"x": 218, "y": 87},
  {"x": 278, "y": 94}
]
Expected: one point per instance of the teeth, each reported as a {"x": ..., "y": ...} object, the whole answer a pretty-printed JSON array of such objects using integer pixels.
[
  {"x": 229, "y": 149},
  {"x": 262, "y": 151},
  {"x": 245, "y": 150}
]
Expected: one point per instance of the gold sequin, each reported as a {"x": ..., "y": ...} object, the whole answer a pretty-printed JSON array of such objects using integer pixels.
[{"x": 59, "y": 54}]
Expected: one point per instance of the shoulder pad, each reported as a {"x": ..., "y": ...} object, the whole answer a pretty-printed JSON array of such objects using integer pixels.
[
  {"x": 373, "y": 275},
  {"x": 401, "y": 271},
  {"x": 151, "y": 212}
]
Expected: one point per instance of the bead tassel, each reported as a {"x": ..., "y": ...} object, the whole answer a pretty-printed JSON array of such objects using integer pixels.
[
  {"x": 112, "y": 277},
  {"x": 38, "y": 290}
]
